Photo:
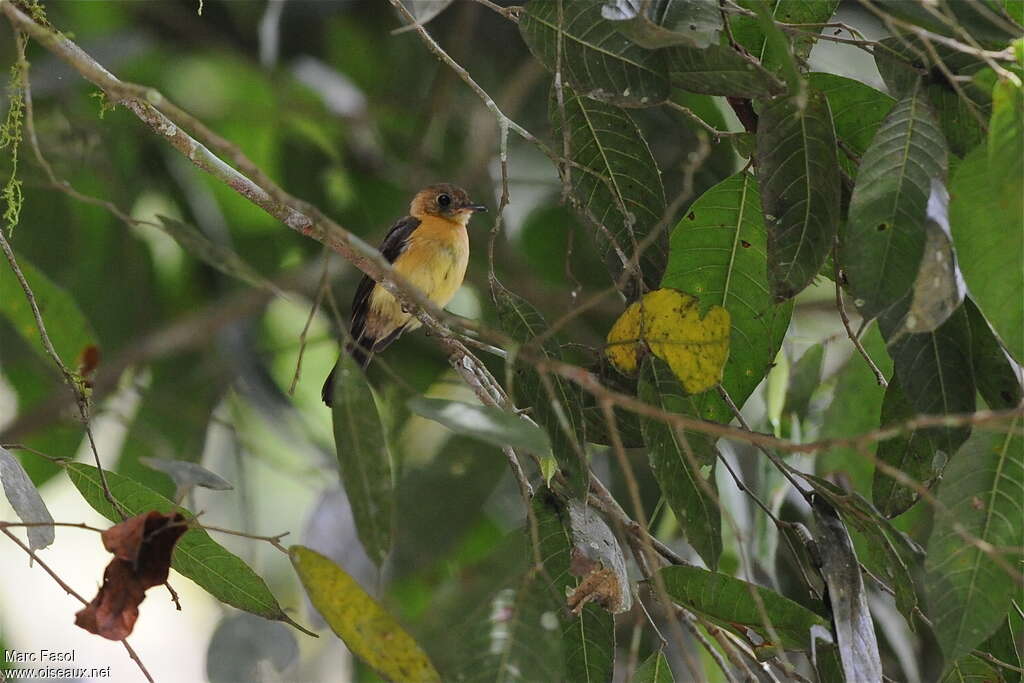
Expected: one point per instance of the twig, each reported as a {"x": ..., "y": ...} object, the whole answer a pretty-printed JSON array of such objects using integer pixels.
[
  {"x": 305, "y": 328},
  {"x": 841, "y": 307}
]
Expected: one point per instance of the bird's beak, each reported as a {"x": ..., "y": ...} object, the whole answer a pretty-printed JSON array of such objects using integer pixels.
[{"x": 476, "y": 208}]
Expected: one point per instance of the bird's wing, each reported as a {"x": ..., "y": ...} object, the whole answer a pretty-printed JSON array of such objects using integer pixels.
[{"x": 391, "y": 248}]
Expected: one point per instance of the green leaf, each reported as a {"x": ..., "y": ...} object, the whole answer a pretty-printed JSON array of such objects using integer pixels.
[
  {"x": 804, "y": 379},
  {"x": 997, "y": 380},
  {"x": 913, "y": 454},
  {"x": 972, "y": 668},
  {"x": 691, "y": 500},
  {"x": 369, "y": 631},
  {"x": 983, "y": 489},
  {"x": 616, "y": 184},
  {"x": 857, "y": 112},
  {"x": 654, "y": 670},
  {"x": 66, "y": 325},
  {"x": 798, "y": 174},
  {"x": 196, "y": 556},
  {"x": 985, "y": 20},
  {"x": 934, "y": 370},
  {"x": 856, "y": 404},
  {"x": 750, "y": 32},
  {"x": 729, "y": 602},
  {"x": 215, "y": 255},
  {"x": 484, "y": 423},
  {"x": 560, "y": 415},
  {"x": 588, "y": 640},
  {"x": 364, "y": 460},
  {"x": 717, "y": 253},
  {"x": 719, "y": 70},
  {"x": 663, "y": 23},
  {"x": 597, "y": 60},
  {"x": 1003, "y": 646},
  {"x": 885, "y": 233}
]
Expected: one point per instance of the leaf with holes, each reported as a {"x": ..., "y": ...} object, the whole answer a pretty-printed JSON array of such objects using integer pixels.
[
  {"x": 686, "y": 479},
  {"x": 197, "y": 556},
  {"x": 363, "y": 457},
  {"x": 983, "y": 489},
  {"x": 717, "y": 252},
  {"x": 885, "y": 233},
  {"x": 798, "y": 174},
  {"x": 597, "y": 60},
  {"x": 616, "y": 184}
]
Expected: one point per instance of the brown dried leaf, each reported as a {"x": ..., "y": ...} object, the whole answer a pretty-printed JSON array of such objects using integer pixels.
[{"x": 142, "y": 548}]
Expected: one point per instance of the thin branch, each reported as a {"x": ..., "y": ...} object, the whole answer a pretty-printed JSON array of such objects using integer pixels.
[{"x": 841, "y": 307}]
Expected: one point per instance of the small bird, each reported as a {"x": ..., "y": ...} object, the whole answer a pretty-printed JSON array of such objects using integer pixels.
[{"x": 430, "y": 247}]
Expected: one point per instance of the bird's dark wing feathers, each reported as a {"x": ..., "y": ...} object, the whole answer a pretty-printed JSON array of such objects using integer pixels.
[{"x": 391, "y": 248}]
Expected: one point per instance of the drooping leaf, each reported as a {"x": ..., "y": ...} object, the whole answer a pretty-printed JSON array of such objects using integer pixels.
[
  {"x": 913, "y": 454},
  {"x": 885, "y": 233},
  {"x": 654, "y": 670},
  {"x": 369, "y": 631},
  {"x": 983, "y": 490},
  {"x": 425, "y": 10},
  {"x": 679, "y": 474},
  {"x": 718, "y": 253},
  {"x": 719, "y": 70},
  {"x": 670, "y": 324},
  {"x": 25, "y": 500},
  {"x": 196, "y": 556},
  {"x": 848, "y": 601},
  {"x": 484, "y": 423},
  {"x": 728, "y": 601},
  {"x": 242, "y": 644},
  {"x": 560, "y": 415},
  {"x": 986, "y": 206},
  {"x": 616, "y": 184},
  {"x": 890, "y": 554},
  {"x": 588, "y": 638},
  {"x": 798, "y": 174},
  {"x": 935, "y": 372},
  {"x": 597, "y": 60},
  {"x": 662, "y": 23},
  {"x": 857, "y": 112},
  {"x": 364, "y": 460},
  {"x": 187, "y": 475},
  {"x": 66, "y": 326},
  {"x": 999, "y": 383}
]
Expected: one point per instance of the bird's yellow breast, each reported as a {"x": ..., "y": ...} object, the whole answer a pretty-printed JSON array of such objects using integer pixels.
[{"x": 434, "y": 261}]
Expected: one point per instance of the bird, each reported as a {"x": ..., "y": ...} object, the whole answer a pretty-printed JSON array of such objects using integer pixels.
[{"x": 430, "y": 247}]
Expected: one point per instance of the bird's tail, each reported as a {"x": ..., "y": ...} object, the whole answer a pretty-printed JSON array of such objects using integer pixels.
[{"x": 361, "y": 355}]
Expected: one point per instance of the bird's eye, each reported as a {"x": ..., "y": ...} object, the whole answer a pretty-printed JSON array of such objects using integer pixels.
[{"x": 443, "y": 200}]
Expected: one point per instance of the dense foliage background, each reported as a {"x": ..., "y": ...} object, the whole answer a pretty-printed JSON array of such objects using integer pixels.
[{"x": 828, "y": 194}]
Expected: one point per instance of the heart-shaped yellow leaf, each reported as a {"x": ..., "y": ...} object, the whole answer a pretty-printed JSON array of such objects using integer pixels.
[{"x": 669, "y": 323}]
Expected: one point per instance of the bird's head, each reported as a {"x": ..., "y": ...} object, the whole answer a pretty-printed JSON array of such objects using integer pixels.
[{"x": 444, "y": 200}]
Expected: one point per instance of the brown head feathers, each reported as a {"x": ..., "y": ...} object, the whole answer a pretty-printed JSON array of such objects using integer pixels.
[{"x": 444, "y": 200}]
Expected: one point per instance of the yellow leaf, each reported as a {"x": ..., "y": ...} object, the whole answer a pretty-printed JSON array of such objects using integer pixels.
[
  {"x": 368, "y": 631},
  {"x": 669, "y": 323}
]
